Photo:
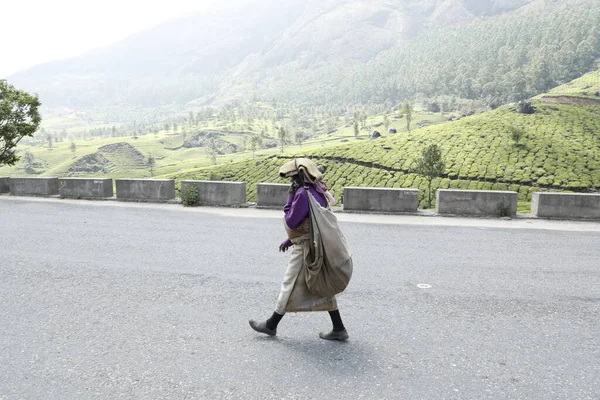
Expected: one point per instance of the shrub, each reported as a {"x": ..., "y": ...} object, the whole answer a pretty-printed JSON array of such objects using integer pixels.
[{"x": 189, "y": 196}]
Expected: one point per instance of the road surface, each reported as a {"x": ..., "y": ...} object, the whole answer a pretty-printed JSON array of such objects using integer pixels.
[{"x": 107, "y": 300}]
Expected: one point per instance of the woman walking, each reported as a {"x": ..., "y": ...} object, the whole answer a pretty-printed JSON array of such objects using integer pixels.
[{"x": 295, "y": 295}]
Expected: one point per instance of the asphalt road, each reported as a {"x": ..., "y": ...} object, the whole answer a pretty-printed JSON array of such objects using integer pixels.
[{"x": 127, "y": 301}]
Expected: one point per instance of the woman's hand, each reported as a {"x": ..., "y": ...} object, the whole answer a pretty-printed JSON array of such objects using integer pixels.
[
  {"x": 293, "y": 187},
  {"x": 297, "y": 182},
  {"x": 283, "y": 247}
]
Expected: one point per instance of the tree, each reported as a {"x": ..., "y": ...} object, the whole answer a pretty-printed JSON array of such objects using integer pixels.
[
  {"x": 516, "y": 134},
  {"x": 386, "y": 122},
  {"x": 356, "y": 129},
  {"x": 27, "y": 158},
  {"x": 407, "y": 110},
  {"x": 254, "y": 143},
  {"x": 282, "y": 134},
  {"x": 28, "y": 162},
  {"x": 299, "y": 136},
  {"x": 49, "y": 140},
  {"x": 212, "y": 150},
  {"x": 433, "y": 107},
  {"x": 151, "y": 163},
  {"x": 73, "y": 147},
  {"x": 19, "y": 117},
  {"x": 430, "y": 165}
]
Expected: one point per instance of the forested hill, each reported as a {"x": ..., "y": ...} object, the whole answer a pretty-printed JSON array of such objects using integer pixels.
[
  {"x": 501, "y": 59},
  {"x": 335, "y": 52}
]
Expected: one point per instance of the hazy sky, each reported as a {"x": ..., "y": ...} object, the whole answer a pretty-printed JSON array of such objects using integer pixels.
[{"x": 37, "y": 31}]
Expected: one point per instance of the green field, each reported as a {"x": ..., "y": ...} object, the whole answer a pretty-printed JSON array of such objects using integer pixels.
[{"x": 166, "y": 147}]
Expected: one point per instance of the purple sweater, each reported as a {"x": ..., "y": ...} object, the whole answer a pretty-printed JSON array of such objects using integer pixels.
[{"x": 296, "y": 209}]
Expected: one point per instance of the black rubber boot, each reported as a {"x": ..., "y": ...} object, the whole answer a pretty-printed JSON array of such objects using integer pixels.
[
  {"x": 339, "y": 332},
  {"x": 262, "y": 328},
  {"x": 269, "y": 326},
  {"x": 335, "y": 335}
]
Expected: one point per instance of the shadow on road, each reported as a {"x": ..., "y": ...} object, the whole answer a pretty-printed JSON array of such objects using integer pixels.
[{"x": 343, "y": 359}]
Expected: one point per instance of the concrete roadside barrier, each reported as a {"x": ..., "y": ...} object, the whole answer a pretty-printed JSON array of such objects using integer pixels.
[
  {"x": 147, "y": 190},
  {"x": 33, "y": 186},
  {"x": 381, "y": 199},
  {"x": 218, "y": 193},
  {"x": 272, "y": 195},
  {"x": 476, "y": 202},
  {"x": 86, "y": 188},
  {"x": 565, "y": 205}
]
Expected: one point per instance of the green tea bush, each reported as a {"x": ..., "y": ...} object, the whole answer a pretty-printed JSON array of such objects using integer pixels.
[{"x": 560, "y": 152}]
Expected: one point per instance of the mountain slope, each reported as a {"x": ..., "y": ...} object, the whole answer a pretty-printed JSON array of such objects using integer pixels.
[
  {"x": 176, "y": 61},
  {"x": 192, "y": 57},
  {"x": 498, "y": 59}
]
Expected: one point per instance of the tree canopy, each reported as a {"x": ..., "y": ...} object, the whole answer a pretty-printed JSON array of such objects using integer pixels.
[{"x": 19, "y": 117}]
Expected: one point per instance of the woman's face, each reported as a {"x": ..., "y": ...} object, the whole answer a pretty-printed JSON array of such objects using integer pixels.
[{"x": 297, "y": 179}]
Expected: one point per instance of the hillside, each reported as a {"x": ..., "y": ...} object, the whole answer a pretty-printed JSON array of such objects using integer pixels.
[
  {"x": 583, "y": 90},
  {"x": 174, "y": 62},
  {"x": 500, "y": 59},
  {"x": 227, "y": 134},
  {"x": 334, "y": 51},
  {"x": 560, "y": 151}
]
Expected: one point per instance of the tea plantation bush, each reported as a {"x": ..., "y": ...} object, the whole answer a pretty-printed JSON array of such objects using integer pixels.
[{"x": 559, "y": 151}]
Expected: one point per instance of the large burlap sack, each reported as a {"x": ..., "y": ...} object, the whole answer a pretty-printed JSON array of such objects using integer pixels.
[{"x": 328, "y": 258}]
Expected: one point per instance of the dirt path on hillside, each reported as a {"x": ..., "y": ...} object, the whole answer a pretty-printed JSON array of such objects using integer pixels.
[{"x": 568, "y": 100}]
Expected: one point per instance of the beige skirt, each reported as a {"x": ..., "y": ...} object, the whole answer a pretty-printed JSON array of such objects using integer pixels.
[{"x": 294, "y": 296}]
